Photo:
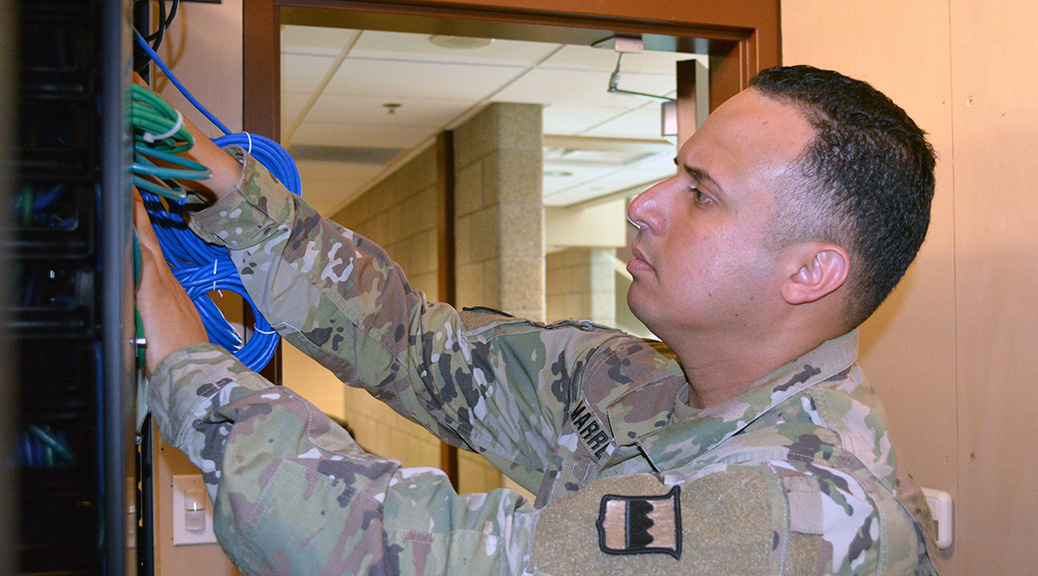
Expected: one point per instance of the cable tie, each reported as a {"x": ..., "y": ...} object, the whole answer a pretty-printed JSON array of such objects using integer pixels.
[
  {"x": 151, "y": 138},
  {"x": 249, "y": 151},
  {"x": 263, "y": 331}
]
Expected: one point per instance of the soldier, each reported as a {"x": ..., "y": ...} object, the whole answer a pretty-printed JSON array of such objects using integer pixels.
[{"x": 761, "y": 449}]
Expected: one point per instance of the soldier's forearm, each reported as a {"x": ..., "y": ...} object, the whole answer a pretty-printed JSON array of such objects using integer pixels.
[{"x": 297, "y": 495}]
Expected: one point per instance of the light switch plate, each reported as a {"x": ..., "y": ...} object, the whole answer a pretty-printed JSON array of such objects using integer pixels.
[
  {"x": 940, "y": 503},
  {"x": 181, "y": 535}
]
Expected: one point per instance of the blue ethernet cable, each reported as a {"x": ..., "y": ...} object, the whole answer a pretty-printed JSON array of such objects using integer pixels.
[{"x": 203, "y": 268}]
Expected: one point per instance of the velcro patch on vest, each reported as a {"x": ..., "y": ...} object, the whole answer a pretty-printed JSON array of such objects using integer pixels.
[
  {"x": 590, "y": 430},
  {"x": 641, "y": 524},
  {"x": 726, "y": 520},
  {"x": 804, "y": 495}
]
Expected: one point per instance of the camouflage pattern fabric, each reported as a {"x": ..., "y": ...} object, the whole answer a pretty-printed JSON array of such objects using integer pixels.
[{"x": 558, "y": 408}]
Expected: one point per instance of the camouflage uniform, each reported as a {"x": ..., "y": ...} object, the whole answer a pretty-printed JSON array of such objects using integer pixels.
[{"x": 794, "y": 476}]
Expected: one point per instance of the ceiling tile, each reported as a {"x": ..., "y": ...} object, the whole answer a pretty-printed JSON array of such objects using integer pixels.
[
  {"x": 303, "y": 73},
  {"x": 422, "y": 80},
  {"x": 315, "y": 41},
  {"x": 582, "y": 88},
  {"x": 340, "y": 171},
  {"x": 429, "y": 113},
  {"x": 361, "y": 135},
  {"x": 571, "y": 177},
  {"x": 417, "y": 48},
  {"x": 587, "y": 58},
  {"x": 604, "y": 184},
  {"x": 574, "y": 120},
  {"x": 641, "y": 123},
  {"x": 291, "y": 107},
  {"x": 589, "y": 180},
  {"x": 661, "y": 164}
]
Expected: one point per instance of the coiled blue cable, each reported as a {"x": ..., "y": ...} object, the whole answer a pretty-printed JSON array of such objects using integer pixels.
[{"x": 203, "y": 268}]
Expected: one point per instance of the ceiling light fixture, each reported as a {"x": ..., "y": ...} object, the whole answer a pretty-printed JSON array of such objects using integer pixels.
[{"x": 460, "y": 42}]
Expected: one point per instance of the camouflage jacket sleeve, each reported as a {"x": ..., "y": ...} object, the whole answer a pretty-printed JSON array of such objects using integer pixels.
[
  {"x": 503, "y": 391},
  {"x": 294, "y": 494}
]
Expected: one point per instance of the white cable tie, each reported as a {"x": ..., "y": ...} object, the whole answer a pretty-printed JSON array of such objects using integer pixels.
[
  {"x": 249, "y": 136},
  {"x": 150, "y": 138},
  {"x": 263, "y": 331}
]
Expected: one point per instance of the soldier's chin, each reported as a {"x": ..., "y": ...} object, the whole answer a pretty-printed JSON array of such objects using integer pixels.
[{"x": 639, "y": 307}]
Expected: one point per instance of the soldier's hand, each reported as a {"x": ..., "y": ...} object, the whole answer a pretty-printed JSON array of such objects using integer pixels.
[{"x": 170, "y": 318}]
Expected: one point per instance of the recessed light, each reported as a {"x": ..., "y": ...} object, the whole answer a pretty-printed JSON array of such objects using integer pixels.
[
  {"x": 557, "y": 173},
  {"x": 460, "y": 42}
]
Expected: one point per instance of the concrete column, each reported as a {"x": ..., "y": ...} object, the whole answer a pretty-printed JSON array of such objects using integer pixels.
[{"x": 499, "y": 212}]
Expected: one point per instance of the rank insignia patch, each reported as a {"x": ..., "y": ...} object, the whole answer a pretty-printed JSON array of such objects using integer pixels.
[{"x": 640, "y": 524}]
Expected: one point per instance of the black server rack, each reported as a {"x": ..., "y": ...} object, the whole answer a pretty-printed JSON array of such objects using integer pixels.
[{"x": 69, "y": 320}]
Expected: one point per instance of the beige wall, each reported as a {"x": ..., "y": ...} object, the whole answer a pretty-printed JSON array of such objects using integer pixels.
[
  {"x": 950, "y": 353},
  {"x": 581, "y": 284}
]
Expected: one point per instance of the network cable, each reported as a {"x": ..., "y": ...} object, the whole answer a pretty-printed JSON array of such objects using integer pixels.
[
  {"x": 200, "y": 267},
  {"x": 164, "y": 22},
  {"x": 265, "y": 150}
]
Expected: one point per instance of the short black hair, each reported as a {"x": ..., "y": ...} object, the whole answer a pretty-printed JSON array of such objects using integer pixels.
[{"x": 866, "y": 180}]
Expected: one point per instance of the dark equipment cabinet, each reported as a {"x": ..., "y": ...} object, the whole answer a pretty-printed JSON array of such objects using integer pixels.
[{"x": 67, "y": 250}]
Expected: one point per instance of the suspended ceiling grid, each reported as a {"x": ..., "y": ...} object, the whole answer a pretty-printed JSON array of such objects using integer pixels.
[{"x": 356, "y": 104}]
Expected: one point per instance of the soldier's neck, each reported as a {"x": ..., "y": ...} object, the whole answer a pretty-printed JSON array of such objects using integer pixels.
[{"x": 718, "y": 371}]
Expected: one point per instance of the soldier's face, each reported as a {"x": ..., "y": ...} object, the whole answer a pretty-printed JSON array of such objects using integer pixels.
[{"x": 702, "y": 260}]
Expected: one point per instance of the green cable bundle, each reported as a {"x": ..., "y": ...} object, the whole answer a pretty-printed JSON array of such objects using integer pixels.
[{"x": 159, "y": 134}]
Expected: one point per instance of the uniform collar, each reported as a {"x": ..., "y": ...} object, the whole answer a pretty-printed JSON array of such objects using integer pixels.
[{"x": 691, "y": 432}]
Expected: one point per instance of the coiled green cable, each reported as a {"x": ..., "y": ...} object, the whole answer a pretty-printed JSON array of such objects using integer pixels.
[
  {"x": 160, "y": 134},
  {"x": 159, "y": 123}
]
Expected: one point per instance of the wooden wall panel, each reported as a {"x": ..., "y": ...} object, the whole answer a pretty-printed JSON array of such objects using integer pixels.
[
  {"x": 203, "y": 47},
  {"x": 908, "y": 348},
  {"x": 951, "y": 352},
  {"x": 996, "y": 249}
]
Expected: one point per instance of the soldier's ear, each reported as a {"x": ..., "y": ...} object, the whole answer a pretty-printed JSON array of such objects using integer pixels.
[{"x": 816, "y": 269}]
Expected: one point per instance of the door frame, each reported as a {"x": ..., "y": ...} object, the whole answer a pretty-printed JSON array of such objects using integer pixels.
[{"x": 741, "y": 38}]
